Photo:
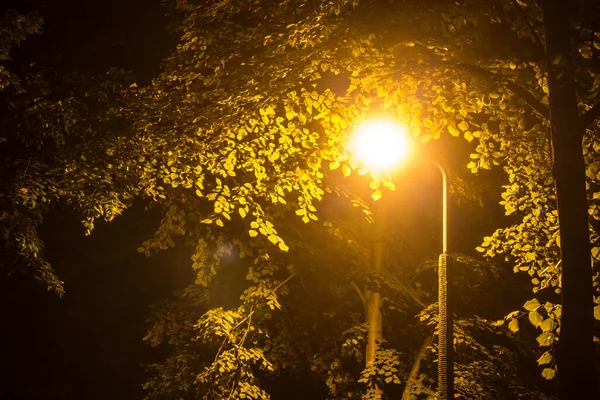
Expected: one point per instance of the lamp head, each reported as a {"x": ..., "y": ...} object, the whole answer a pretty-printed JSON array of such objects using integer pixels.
[{"x": 381, "y": 145}]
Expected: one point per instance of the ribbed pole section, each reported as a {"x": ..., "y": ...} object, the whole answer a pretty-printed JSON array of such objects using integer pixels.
[{"x": 374, "y": 307}]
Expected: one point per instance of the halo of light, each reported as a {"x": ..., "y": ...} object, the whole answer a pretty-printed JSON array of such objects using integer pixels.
[{"x": 380, "y": 144}]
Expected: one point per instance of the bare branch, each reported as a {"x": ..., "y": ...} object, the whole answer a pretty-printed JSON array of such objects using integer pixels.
[
  {"x": 359, "y": 292},
  {"x": 286, "y": 281},
  {"x": 414, "y": 371}
]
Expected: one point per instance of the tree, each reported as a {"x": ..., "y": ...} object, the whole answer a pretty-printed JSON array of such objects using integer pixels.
[
  {"x": 469, "y": 70},
  {"x": 55, "y": 130},
  {"x": 312, "y": 336},
  {"x": 256, "y": 101}
]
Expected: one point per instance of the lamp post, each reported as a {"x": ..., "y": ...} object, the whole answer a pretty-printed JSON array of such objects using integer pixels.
[
  {"x": 445, "y": 316},
  {"x": 381, "y": 145}
]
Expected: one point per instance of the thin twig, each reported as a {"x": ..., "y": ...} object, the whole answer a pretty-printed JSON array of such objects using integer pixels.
[
  {"x": 232, "y": 329},
  {"x": 286, "y": 281},
  {"x": 247, "y": 329},
  {"x": 359, "y": 292}
]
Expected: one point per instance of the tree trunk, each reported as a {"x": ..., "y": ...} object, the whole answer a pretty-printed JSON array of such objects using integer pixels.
[{"x": 575, "y": 349}]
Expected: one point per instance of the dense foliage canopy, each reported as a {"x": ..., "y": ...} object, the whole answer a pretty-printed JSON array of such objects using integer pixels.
[{"x": 243, "y": 131}]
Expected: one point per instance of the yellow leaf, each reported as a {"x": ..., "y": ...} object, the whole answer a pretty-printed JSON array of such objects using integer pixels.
[
  {"x": 346, "y": 170},
  {"x": 334, "y": 165},
  {"x": 273, "y": 239},
  {"x": 283, "y": 246},
  {"x": 376, "y": 195},
  {"x": 206, "y": 221},
  {"x": 252, "y": 233},
  {"x": 464, "y": 125},
  {"x": 453, "y": 131},
  {"x": 546, "y": 358},
  {"x": 389, "y": 185},
  {"x": 218, "y": 222},
  {"x": 242, "y": 212},
  {"x": 548, "y": 373}
]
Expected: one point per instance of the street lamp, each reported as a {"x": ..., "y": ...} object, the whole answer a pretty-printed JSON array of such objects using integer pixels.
[{"x": 381, "y": 145}]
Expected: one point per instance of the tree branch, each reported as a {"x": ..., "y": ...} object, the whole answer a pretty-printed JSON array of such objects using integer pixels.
[
  {"x": 541, "y": 109},
  {"x": 358, "y": 291},
  {"x": 286, "y": 281},
  {"x": 519, "y": 91},
  {"x": 414, "y": 371}
]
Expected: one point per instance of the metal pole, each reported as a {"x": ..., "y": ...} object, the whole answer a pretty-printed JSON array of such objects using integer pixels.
[{"x": 445, "y": 323}]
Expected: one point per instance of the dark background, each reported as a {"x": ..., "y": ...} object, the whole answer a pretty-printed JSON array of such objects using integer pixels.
[{"x": 88, "y": 345}]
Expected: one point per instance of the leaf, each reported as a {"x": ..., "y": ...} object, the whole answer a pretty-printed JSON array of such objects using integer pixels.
[
  {"x": 273, "y": 238},
  {"x": 376, "y": 195},
  {"x": 548, "y": 325},
  {"x": 464, "y": 125},
  {"x": 531, "y": 305},
  {"x": 513, "y": 325},
  {"x": 535, "y": 318},
  {"x": 206, "y": 221},
  {"x": 548, "y": 373},
  {"x": 346, "y": 170},
  {"x": 283, "y": 246},
  {"x": 252, "y": 233},
  {"x": 453, "y": 131},
  {"x": 141, "y": 249},
  {"x": 597, "y": 312},
  {"x": 546, "y": 358},
  {"x": 242, "y": 212},
  {"x": 389, "y": 185},
  {"x": 545, "y": 339}
]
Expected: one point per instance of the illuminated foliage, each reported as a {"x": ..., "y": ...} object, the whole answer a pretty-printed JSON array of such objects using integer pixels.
[{"x": 252, "y": 112}]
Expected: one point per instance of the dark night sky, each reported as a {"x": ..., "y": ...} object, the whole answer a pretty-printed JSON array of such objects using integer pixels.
[{"x": 93, "y": 36}]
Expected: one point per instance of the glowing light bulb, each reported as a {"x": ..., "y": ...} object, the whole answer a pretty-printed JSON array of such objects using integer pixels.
[{"x": 380, "y": 145}]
